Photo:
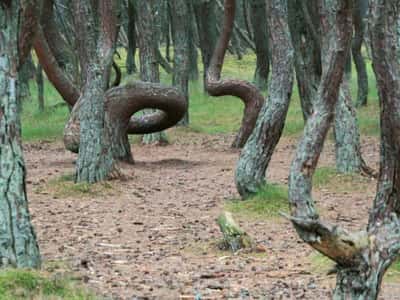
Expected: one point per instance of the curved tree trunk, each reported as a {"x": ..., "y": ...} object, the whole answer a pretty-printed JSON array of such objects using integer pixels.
[
  {"x": 258, "y": 150},
  {"x": 362, "y": 257},
  {"x": 124, "y": 101},
  {"x": 18, "y": 244},
  {"x": 215, "y": 86},
  {"x": 258, "y": 12},
  {"x": 359, "y": 20}
]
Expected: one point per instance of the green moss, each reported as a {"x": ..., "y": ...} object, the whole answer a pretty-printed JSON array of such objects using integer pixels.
[
  {"x": 27, "y": 284},
  {"x": 267, "y": 203}
]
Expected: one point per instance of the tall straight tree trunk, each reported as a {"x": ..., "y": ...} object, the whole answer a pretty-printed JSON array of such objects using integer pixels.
[
  {"x": 40, "y": 86},
  {"x": 258, "y": 12},
  {"x": 359, "y": 20},
  {"x": 181, "y": 35},
  {"x": 99, "y": 30},
  {"x": 18, "y": 244},
  {"x": 206, "y": 18},
  {"x": 304, "y": 28},
  {"x": 257, "y": 152},
  {"x": 347, "y": 136},
  {"x": 130, "y": 58},
  {"x": 148, "y": 47},
  {"x": 193, "y": 39}
]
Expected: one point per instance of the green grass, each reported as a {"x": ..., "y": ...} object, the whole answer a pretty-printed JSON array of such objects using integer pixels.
[
  {"x": 209, "y": 115},
  {"x": 267, "y": 203},
  {"x": 25, "y": 284},
  {"x": 328, "y": 178},
  {"x": 65, "y": 186},
  {"x": 321, "y": 265}
]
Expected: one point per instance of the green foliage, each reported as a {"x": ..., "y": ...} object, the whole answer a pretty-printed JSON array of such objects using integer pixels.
[
  {"x": 267, "y": 203},
  {"x": 27, "y": 284}
]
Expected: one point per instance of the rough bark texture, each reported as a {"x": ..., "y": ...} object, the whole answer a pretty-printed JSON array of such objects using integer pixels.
[
  {"x": 99, "y": 30},
  {"x": 215, "y": 86},
  {"x": 130, "y": 59},
  {"x": 148, "y": 46},
  {"x": 347, "y": 136},
  {"x": 18, "y": 245},
  {"x": 124, "y": 101},
  {"x": 40, "y": 87},
  {"x": 304, "y": 28},
  {"x": 206, "y": 19},
  {"x": 257, "y": 152},
  {"x": 362, "y": 257},
  {"x": 359, "y": 21},
  {"x": 181, "y": 37},
  {"x": 258, "y": 11}
]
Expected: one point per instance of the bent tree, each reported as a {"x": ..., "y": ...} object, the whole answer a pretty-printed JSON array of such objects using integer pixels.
[
  {"x": 18, "y": 245},
  {"x": 96, "y": 47},
  {"x": 120, "y": 102},
  {"x": 215, "y": 86},
  {"x": 362, "y": 257},
  {"x": 258, "y": 150}
]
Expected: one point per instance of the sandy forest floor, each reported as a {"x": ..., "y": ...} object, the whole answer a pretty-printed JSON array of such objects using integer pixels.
[{"x": 153, "y": 236}]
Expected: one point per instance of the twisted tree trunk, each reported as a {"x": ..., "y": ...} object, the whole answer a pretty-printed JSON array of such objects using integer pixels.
[
  {"x": 18, "y": 244},
  {"x": 247, "y": 92},
  {"x": 258, "y": 150},
  {"x": 362, "y": 257}
]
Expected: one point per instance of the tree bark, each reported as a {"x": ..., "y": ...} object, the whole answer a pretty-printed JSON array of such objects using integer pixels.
[
  {"x": 96, "y": 46},
  {"x": 258, "y": 150},
  {"x": 304, "y": 28},
  {"x": 40, "y": 87},
  {"x": 130, "y": 58},
  {"x": 247, "y": 92},
  {"x": 181, "y": 37},
  {"x": 362, "y": 257},
  {"x": 18, "y": 244},
  {"x": 258, "y": 12},
  {"x": 359, "y": 20},
  {"x": 148, "y": 45},
  {"x": 206, "y": 19}
]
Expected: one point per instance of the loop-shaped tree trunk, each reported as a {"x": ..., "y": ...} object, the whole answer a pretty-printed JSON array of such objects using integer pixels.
[{"x": 247, "y": 92}]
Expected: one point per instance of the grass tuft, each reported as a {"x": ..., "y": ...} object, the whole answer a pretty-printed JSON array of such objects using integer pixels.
[
  {"x": 28, "y": 284},
  {"x": 65, "y": 186},
  {"x": 267, "y": 203}
]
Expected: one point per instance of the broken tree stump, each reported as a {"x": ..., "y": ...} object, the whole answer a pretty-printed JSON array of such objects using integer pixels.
[{"x": 235, "y": 238}]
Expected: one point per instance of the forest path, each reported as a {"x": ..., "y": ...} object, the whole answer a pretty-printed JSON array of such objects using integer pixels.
[{"x": 153, "y": 235}]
